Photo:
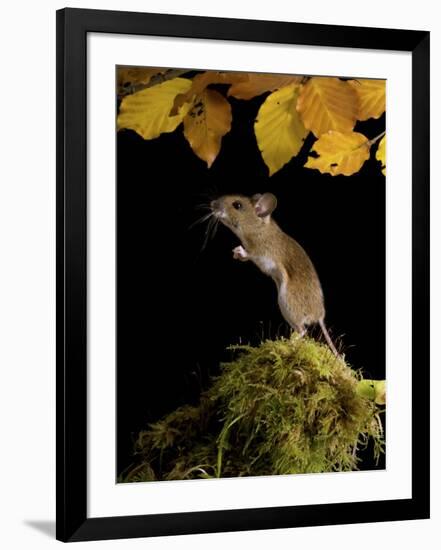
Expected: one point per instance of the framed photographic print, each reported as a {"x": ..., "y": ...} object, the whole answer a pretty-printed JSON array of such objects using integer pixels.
[{"x": 242, "y": 274}]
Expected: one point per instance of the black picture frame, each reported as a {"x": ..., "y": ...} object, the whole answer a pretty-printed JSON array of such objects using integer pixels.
[{"x": 71, "y": 510}]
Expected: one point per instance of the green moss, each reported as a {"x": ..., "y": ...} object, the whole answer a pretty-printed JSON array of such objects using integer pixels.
[{"x": 287, "y": 406}]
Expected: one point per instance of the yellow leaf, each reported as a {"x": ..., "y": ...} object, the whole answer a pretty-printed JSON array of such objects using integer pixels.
[
  {"x": 327, "y": 104},
  {"x": 339, "y": 153},
  {"x": 371, "y": 97},
  {"x": 208, "y": 120},
  {"x": 137, "y": 75},
  {"x": 256, "y": 84},
  {"x": 200, "y": 83},
  {"x": 279, "y": 131},
  {"x": 147, "y": 111},
  {"x": 381, "y": 154}
]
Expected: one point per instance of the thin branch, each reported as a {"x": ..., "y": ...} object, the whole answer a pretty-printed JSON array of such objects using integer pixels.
[{"x": 375, "y": 139}]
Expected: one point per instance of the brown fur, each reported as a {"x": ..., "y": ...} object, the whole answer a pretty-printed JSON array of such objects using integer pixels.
[{"x": 278, "y": 255}]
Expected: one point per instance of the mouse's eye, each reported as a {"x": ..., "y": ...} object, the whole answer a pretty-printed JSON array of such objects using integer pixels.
[{"x": 237, "y": 205}]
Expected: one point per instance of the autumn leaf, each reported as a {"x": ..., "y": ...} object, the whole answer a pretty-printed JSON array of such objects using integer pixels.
[
  {"x": 279, "y": 131},
  {"x": 129, "y": 77},
  {"x": 327, "y": 104},
  {"x": 147, "y": 111},
  {"x": 371, "y": 97},
  {"x": 375, "y": 390},
  {"x": 208, "y": 120},
  {"x": 200, "y": 83},
  {"x": 339, "y": 153},
  {"x": 381, "y": 154},
  {"x": 137, "y": 75},
  {"x": 257, "y": 84}
]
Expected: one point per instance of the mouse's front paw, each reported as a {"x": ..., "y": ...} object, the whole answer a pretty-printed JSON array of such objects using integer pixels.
[{"x": 239, "y": 253}]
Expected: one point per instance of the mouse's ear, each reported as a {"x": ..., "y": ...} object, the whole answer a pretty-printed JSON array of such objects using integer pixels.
[{"x": 265, "y": 205}]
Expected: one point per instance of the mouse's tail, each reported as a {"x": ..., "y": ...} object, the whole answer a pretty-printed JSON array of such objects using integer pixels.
[{"x": 328, "y": 338}]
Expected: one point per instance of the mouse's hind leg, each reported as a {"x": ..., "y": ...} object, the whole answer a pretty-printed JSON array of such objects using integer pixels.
[
  {"x": 289, "y": 312},
  {"x": 299, "y": 329}
]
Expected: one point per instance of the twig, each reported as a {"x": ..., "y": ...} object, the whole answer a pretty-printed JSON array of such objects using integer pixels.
[{"x": 375, "y": 139}]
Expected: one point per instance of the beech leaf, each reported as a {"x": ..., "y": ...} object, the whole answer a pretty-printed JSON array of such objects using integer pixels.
[
  {"x": 374, "y": 390},
  {"x": 128, "y": 77},
  {"x": 147, "y": 111},
  {"x": 381, "y": 154},
  {"x": 279, "y": 131},
  {"x": 207, "y": 121},
  {"x": 339, "y": 153},
  {"x": 327, "y": 104},
  {"x": 200, "y": 83},
  {"x": 256, "y": 84},
  {"x": 371, "y": 97}
]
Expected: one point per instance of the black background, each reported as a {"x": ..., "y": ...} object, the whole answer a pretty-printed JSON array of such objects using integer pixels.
[{"x": 179, "y": 307}]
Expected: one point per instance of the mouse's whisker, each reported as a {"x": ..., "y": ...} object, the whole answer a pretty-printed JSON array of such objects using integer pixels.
[
  {"x": 202, "y": 219},
  {"x": 215, "y": 226},
  {"x": 212, "y": 222},
  {"x": 207, "y": 231},
  {"x": 203, "y": 206}
]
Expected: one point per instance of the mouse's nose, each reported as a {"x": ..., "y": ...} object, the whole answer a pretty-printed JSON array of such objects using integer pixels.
[{"x": 215, "y": 205}]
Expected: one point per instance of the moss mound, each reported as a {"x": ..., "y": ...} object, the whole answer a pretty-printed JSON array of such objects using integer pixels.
[{"x": 287, "y": 406}]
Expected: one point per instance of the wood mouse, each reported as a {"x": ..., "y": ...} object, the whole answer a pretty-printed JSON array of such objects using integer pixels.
[{"x": 300, "y": 295}]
